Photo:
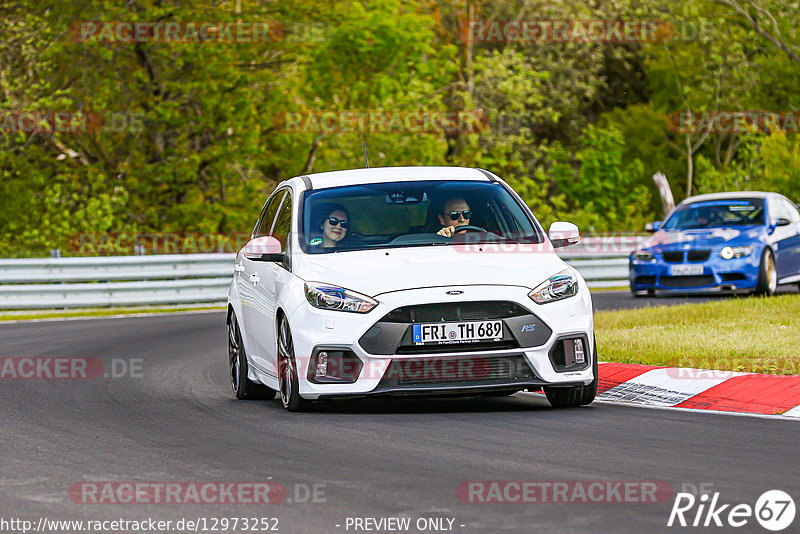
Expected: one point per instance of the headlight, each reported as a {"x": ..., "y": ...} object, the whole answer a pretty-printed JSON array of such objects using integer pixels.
[
  {"x": 728, "y": 253},
  {"x": 641, "y": 255},
  {"x": 561, "y": 286},
  {"x": 327, "y": 297}
]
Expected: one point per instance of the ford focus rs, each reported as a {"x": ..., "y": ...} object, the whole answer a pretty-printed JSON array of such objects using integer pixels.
[
  {"x": 742, "y": 242},
  {"x": 407, "y": 281}
]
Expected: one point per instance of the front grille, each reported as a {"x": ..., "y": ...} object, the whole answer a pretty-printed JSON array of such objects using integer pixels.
[
  {"x": 698, "y": 255},
  {"x": 393, "y": 334},
  {"x": 456, "y": 347},
  {"x": 673, "y": 256},
  {"x": 646, "y": 280},
  {"x": 456, "y": 311},
  {"x": 733, "y": 277},
  {"x": 686, "y": 281},
  {"x": 430, "y": 371}
]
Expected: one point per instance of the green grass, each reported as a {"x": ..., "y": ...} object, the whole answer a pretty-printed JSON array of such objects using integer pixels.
[
  {"x": 97, "y": 312},
  {"x": 760, "y": 335}
]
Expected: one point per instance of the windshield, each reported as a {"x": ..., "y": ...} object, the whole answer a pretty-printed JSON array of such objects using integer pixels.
[
  {"x": 403, "y": 214},
  {"x": 717, "y": 213}
]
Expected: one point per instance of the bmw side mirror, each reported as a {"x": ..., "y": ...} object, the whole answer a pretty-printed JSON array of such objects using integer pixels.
[
  {"x": 264, "y": 248},
  {"x": 783, "y": 222},
  {"x": 653, "y": 226},
  {"x": 563, "y": 234}
]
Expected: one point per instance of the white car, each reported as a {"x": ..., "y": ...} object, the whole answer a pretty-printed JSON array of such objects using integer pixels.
[{"x": 407, "y": 281}]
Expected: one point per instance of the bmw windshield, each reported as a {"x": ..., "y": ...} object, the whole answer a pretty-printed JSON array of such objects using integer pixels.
[
  {"x": 717, "y": 214},
  {"x": 403, "y": 214}
]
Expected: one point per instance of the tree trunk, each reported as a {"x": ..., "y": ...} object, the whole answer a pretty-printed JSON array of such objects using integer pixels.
[{"x": 689, "y": 165}]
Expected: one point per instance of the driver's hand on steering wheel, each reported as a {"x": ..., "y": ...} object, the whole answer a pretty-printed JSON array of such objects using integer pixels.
[{"x": 447, "y": 231}]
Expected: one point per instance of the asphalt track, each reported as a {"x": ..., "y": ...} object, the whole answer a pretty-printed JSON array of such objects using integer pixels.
[
  {"x": 623, "y": 299},
  {"x": 177, "y": 421}
]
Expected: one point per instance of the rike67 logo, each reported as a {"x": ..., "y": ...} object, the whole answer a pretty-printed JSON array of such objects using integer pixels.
[{"x": 774, "y": 510}]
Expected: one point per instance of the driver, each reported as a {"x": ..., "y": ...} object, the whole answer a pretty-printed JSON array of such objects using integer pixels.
[{"x": 455, "y": 213}]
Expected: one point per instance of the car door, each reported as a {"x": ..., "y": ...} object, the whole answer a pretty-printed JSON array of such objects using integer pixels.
[
  {"x": 271, "y": 278},
  {"x": 793, "y": 267},
  {"x": 781, "y": 237},
  {"x": 246, "y": 270}
]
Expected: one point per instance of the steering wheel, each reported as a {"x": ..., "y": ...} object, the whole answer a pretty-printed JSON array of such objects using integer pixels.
[{"x": 470, "y": 228}]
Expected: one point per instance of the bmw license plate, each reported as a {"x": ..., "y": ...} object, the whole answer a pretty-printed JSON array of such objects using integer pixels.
[
  {"x": 466, "y": 332},
  {"x": 685, "y": 270}
]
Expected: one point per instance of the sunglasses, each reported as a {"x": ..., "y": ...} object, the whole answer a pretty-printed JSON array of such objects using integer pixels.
[
  {"x": 335, "y": 221},
  {"x": 455, "y": 214}
]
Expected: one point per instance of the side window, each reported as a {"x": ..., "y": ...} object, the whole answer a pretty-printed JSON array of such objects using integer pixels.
[
  {"x": 264, "y": 224},
  {"x": 794, "y": 215},
  {"x": 283, "y": 222},
  {"x": 776, "y": 210}
]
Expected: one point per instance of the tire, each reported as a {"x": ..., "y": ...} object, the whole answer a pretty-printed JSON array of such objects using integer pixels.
[
  {"x": 287, "y": 370},
  {"x": 643, "y": 293},
  {"x": 570, "y": 397},
  {"x": 243, "y": 387},
  {"x": 767, "y": 274},
  {"x": 564, "y": 397}
]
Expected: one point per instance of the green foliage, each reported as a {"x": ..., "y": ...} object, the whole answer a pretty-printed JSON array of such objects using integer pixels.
[{"x": 192, "y": 138}]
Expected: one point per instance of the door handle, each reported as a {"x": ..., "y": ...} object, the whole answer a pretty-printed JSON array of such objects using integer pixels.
[
  {"x": 254, "y": 279},
  {"x": 239, "y": 268}
]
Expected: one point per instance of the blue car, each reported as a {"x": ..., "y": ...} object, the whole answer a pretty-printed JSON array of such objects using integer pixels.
[{"x": 739, "y": 242}]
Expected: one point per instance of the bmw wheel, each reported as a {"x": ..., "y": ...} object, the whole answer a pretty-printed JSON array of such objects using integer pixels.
[
  {"x": 287, "y": 370},
  {"x": 767, "y": 274},
  {"x": 242, "y": 386}
]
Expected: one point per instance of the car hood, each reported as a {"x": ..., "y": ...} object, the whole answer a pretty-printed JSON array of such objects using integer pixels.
[
  {"x": 703, "y": 237},
  {"x": 373, "y": 272}
]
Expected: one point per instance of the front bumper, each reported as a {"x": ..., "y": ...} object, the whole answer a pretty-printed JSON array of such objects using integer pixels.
[
  {"x": 394, "y": 368},
  {"x": 717, "y": 275}
]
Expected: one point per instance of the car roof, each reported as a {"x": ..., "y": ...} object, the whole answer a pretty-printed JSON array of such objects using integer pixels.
[
  {"x": 373, "y": 175},
  {"x": 728, "y": 195}
]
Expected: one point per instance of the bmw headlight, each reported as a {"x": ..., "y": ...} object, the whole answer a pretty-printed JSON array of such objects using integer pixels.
[
  {"x": 560, "y": 286},
  {"x": 728, "y": 253},
  {"x": 643, "y": 255},
  {"x": 328, "y": 297}
]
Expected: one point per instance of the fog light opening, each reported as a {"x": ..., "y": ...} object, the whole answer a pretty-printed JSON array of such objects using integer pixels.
[
  {"x": 334, "y": 366},
  {"x": 569, "y": 354}
]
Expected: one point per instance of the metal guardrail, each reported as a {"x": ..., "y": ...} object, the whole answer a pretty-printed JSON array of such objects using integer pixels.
[
  {"x": 51, "y": 283},
  {"x": 27, "y": 284}
]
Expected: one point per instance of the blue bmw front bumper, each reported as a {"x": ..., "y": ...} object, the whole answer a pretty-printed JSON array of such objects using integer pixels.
[{"x": 712, "y": 275}]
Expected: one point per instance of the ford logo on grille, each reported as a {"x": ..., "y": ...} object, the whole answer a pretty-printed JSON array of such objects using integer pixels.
[{"x": 455, "y": 292}]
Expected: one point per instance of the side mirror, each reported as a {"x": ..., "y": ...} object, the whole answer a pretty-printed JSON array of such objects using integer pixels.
[
  {"x": 782, "y": 221},
  {"x": 264, "y": 248},
  {"x": 653, "y": 226},
  {"x": 563, "y": 234}
]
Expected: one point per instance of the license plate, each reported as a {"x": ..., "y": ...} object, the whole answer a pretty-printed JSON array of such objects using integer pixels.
[
  {"x": 685, "y": 270},
  {"x": 466, "y": 332}
]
